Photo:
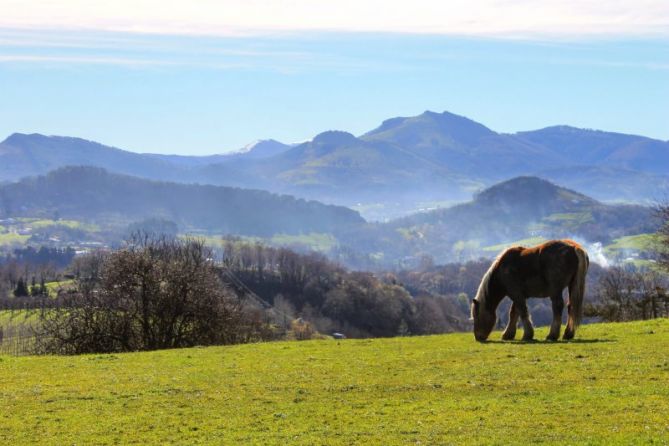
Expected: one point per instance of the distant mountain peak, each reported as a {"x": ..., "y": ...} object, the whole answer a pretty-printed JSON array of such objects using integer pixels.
[
  {"x": 528, "y": 189},
  {"x": 17, "y": 138},
  {"x": 257, "y": 144},
  {"x": 261, "y": 148},
  {"x": 20, "y": 139},
  {"x": 564, "y": 129},
  {"x": 336, "y": 137},
  {"x": 445, "y": 123},
  {"x": 446, "y": 118},
  {"x": 248, "y": 147}
]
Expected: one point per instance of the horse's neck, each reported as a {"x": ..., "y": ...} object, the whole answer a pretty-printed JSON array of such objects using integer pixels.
[{"x": 494, "y": 294}]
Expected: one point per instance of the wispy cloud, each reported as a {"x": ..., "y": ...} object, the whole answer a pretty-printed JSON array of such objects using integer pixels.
[
  {"x": 88, "y": 60},
  {"x": 503, "y": 18},
  {"x": 288, "y": 55}
]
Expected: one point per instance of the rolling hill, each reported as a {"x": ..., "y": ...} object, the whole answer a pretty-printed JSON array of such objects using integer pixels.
[
  {"x": 24, "y": 155},
  {"x": 595, "y": 147},
  {"x": 607, "y": 387},
  {"x": 612, "y": 184},
  {"x": 526, "y": 209},
  {"x": 95, "y": 195},
  {"x": 529, "y": 206}
]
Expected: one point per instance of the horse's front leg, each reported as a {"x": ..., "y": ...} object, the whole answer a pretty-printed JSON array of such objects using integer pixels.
[
  {"x": 558, "y": 306},
  {"x": 510, "y": 330},
  {"x": 528, "y": 333}
]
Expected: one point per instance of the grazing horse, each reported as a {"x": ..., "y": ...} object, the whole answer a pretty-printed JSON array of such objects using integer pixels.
[{"x": 541, "y": 271}]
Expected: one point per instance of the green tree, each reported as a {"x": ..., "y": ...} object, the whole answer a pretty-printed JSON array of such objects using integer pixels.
[{"x": 21, "y": 289}]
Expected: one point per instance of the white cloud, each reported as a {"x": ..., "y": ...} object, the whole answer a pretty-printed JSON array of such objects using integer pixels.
[
  {"x": 512, "y": 18},
  {"x": 29, "y": 58}
]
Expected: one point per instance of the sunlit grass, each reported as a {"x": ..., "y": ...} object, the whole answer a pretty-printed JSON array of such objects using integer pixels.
[
  {"x": 71, "y": 224},
  {"x": 610, "y": 386},
  {"x": 316, "y": 241},
  {"x": 54, "y": 287},
  {"x": 13, "y": 239},
  {"x": 639, "y": 242}
]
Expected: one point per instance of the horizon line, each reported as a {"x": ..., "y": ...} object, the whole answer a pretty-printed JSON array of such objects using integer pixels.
[{"x": 236, "y": 150}]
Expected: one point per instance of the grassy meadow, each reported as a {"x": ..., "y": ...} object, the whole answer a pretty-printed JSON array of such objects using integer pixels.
[{"x": 609, "y": 386}]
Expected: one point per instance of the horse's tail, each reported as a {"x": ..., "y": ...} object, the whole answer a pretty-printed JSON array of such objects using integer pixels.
[{"x": 577, "y": 288}]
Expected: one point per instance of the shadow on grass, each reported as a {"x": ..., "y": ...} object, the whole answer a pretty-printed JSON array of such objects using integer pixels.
[{"x": 547, "y": 342}]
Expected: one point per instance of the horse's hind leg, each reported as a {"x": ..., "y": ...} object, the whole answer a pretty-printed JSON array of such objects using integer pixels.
[
  {"x": 528, "y": 333},
  {"x": 510, "y": 330},
  {"x": 569, "y": 331},
  {"x": 558, "y": 306}
]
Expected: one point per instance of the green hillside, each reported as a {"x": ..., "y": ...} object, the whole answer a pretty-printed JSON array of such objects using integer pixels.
[
  {"x": 610, "y": 386},
  {"x": 522, "y": 210}
]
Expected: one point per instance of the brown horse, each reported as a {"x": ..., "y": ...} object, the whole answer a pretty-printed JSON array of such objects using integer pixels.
[{"x": 541, "y": 271}]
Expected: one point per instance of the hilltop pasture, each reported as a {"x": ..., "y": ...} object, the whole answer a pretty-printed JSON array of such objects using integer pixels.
[{"x": 609, "y": 386}]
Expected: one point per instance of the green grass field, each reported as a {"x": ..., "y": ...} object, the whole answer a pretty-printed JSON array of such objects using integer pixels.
[
  {"x": 17, "y": 333},
  {"x": 316, "y": 241},
  {"x": 610, "y": 386},
  {"x": 10, "y": 239},
  {"x": 72, "y": 224},
  {"x": 639, "y": 242}
]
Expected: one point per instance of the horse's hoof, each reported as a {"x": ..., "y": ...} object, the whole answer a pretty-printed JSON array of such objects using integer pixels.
[
  {"x": 552, "y": 338},
  {"x": 508, "y": 337}
]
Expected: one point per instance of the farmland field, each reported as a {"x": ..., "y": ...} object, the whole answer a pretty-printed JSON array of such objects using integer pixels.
[
  {"x": 10, "y": 239},
  {"x": 610, "y": 386},
  {"x": 639, "y": 242}
]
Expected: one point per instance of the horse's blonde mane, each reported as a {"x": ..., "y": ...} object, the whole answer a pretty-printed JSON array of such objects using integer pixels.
[{"x": 482, "y": 292}]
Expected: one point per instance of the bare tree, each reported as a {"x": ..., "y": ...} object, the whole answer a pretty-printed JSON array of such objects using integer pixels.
[
  {"x": 663, "y": 234},
  {"x": 154, "y": 294},
  {"x": 625, "y": 294}
]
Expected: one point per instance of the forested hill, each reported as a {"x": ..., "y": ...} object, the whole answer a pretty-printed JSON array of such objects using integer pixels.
[
  {"x": 529, "y": 206},
  {"x": 93, "y": 194},
  {"x": 523, "y": 210}
]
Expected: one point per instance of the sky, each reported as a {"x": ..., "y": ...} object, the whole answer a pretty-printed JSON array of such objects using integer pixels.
[{"x": 202, "y": 77}]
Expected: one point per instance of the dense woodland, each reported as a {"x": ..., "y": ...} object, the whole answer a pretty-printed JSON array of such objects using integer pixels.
[{"x": 334, "y": 299}]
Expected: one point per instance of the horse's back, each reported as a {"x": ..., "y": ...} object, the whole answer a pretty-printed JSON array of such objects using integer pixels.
[{"x": 540, "y": 270}]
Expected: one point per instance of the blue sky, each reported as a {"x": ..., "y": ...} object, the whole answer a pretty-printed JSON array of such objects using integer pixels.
[{"x": 210, "y": 92}]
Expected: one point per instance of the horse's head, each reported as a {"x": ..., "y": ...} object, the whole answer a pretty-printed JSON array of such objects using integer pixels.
[{"x": 484, "y": 320}]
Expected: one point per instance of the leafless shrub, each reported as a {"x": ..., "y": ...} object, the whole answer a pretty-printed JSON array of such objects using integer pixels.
[
  {"x": 626, "y": 293},
  {"x": 153, "y": 294}
]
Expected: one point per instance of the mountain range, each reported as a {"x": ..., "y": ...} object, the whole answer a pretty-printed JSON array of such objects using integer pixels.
[{"x": 407, "y": 163}]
